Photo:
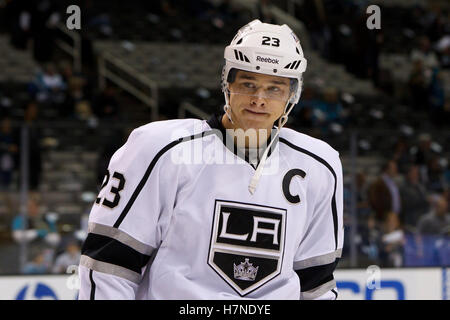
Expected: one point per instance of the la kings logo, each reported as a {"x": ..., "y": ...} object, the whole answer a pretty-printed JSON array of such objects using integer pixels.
[{"x": 247, "y": 244}]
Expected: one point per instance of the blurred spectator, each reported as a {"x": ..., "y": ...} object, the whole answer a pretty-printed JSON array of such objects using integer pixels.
[
  {"x": 18, "y": 15},
  {"x": 75, "y": 95},
  {"x": 423, "y": 154},
  {"x": 379, "y": 199},
  {"x": 224, "y": 13},
  {"x": 8, "y": 151},
  {"x": 83, "y": 110},
  {"x": 438, "y": 220},
  {"x": 219, "y": 13},
  {"x": 401, "y": 155},
  {"x": 392, "y": 241},
  {"x": 34, "y": 145},
  {"x": 426, "y": 55},
  {"x": 362, "y": 200},
  {"x": 423, "y": 51},
  {"x": 51, "y": 79},
  {"x": 446, "y": 112},
  {"x": 418, "y": 19},
  {"x": 332, "y": 107},
  {"x": 368, "y": 48},
  {"x": 370, "y": 239},
  {"x": 414, "y": 198},
  {"x": 169, "y": 8},
  {"x": 305, "y": 118},
  {"x": 304, "y": 115},
  {"x": 435, "y": 180},
  {"x": 437, "y": 98},
  {"x": 385, "y": 81},
  {"x": 35, "y": 226},
  {"x": 40, "y": 262},
  {"x": 384, "y": 195},
  {"x": 97, "y": 20},
  {"x": 6, "y": 104},
  {"x": 66, "y": 71},
  {"x": 312, "y": 14},
  {"x": 82, "y": 232},
  {"x": 48, "y": 86},
  {"x": 44, "y": 19},
  {"x": 418, "y": 86},
  {"x": 390, "y": 173},
  {"x": 70, "y": 256},
  {"x": 443, "y": 48},
  {"x": 263, "y": 11},
  {"x": 106, "y": 104},
  {"x": 314, "y": 112},
  {"x": 439, "y": 23}
]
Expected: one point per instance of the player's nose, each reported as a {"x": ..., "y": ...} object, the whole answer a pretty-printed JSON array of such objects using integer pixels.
[{"x": 258, "y": 99}]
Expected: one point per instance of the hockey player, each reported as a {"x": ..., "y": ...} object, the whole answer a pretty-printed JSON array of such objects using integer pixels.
[{"x": 266, "y": 225}]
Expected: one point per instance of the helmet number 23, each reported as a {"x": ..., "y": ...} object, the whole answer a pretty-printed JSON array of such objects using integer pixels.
[
  {"x": 114, "y": 190},
  {"x": 268, "y": 41}
]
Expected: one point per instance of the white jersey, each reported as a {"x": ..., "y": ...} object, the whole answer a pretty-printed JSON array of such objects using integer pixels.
[{"x": 166, "y": 228}]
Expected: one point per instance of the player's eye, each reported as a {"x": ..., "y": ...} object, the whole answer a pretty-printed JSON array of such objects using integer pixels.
[
  {"x": 274, "y": 89},
  {"x": 249, "y": 85}
]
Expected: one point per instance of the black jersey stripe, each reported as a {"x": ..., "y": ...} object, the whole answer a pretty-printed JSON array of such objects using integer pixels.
[
  {"x": 121, "y": 236},
  {"x": 327, "y": 165},
  {"x": 109, "y": 250},
  {"x": 147, "y": 173},
  {"x": 335, "y": 293},
  {"x": 313, "y": 277},
  {"x": 93, "y": 286}
]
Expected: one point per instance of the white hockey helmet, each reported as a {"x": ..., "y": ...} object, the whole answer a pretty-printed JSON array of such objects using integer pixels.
[{"x": 268, "y": 49}]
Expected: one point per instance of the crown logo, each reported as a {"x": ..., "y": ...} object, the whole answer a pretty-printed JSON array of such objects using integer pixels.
[{"x": 245, "y": 271}]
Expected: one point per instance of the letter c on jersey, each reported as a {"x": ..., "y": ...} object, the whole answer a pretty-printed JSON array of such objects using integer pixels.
[{"x": 287, "y": 182}]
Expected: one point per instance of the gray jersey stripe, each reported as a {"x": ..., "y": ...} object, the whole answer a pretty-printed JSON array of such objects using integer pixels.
[
  {"x": 320, "y": 290},
  {"x": 120, "y": 236},
  {"x": 109, "y": 268},
  {"x": 318, "y": 261}
]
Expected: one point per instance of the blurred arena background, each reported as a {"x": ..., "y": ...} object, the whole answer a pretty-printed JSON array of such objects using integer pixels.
[{"x": 69, "y": 98}]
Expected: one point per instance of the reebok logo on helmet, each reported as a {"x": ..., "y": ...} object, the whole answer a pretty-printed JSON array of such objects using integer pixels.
[{"x": 268, "y": 60}]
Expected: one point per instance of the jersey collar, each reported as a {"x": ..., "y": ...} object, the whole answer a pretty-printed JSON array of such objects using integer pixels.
[{"x": 215, "y": 122}]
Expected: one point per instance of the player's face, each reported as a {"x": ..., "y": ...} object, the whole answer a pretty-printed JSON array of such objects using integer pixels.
[{"x": 257, "y": 100}]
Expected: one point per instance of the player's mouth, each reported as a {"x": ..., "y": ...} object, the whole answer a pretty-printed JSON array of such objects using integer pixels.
[{"x": 256, "y": 113}]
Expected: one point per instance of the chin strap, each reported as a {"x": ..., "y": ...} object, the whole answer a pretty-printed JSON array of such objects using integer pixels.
[
  {"x": 257, "y": 175},
  {"x": 227, "y": 107}
]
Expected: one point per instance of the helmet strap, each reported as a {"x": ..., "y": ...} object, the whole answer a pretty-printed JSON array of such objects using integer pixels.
[{"x": 227, "y": 106}]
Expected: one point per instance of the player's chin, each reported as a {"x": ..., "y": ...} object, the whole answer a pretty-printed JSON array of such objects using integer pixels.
[{"x": 257, "y": 124}]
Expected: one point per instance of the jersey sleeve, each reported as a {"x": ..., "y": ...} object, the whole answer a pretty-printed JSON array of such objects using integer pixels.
[
  {"x": 128, "y": 219},
  {"x": 321, "y": 247}
]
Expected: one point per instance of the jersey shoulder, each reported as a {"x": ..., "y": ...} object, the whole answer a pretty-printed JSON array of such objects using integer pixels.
[
  {"x": 310, "y": 145},
  {"x": 155, "y": 138},
  {"x": 170, "y": 130},
  {"x": 159, "y": 134}
]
